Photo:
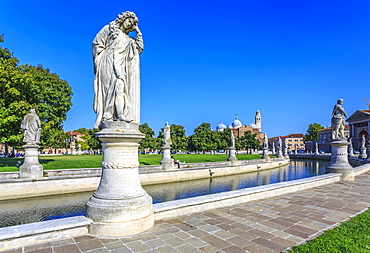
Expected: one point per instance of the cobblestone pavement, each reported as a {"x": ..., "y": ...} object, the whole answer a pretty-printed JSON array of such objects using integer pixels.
[{"x": 268, "y": 225}]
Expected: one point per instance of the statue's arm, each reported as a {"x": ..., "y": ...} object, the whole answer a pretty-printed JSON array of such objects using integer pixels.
[
  {"x": 99, "y": 45},
  {"x": 139, "y": 40}
]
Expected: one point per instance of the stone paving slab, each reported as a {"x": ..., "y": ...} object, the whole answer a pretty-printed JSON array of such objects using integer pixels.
[{"x": 268, "y": 225}]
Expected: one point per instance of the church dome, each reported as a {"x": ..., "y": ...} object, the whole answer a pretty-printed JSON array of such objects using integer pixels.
[
  {"x": 236, "y": 123},
  {"x": 220, "y": 127}
]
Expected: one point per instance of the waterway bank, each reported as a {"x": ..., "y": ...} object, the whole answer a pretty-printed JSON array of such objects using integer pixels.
[{"x": 83, "y": 180}]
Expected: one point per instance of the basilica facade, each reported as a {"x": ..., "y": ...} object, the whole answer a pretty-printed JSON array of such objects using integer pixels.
[{"x": 239, "y": 129}]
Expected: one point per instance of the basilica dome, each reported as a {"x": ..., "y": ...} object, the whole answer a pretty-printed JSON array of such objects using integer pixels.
[
  {"x": 220, "y": 127},
  {"x": 236, "y": 123}
]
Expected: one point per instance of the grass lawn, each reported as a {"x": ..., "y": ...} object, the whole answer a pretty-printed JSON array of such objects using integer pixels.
[
  {"x": 350, "y": 237},
  {"x": 94, "y": 161}
]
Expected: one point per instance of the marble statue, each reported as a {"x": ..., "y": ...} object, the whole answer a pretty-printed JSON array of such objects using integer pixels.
[
  {"x": 117, "y": 70},
  {"x": 232, "y": 140},
  {"x": 265, "y": 141},
  {"x": 31, "y": 127},
  {"x": 280, "y": 144},
  {"x": 363, "y": 141},
  {"x": 337, "y": 121},
  {"x": 167, "y": 135}
]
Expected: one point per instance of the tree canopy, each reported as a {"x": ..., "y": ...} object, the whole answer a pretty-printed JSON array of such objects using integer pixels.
[
  {"x": 312, "y": 132},
  {"x": 149, "y": 142},
  {"x": 203, "y": 139},
  {"x": 248, "y": 141},
  {"x": 23, "y": 87}
]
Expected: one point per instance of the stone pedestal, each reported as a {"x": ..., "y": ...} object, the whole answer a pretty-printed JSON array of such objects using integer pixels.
[
  {"x": 367, "y": 160},
  {"x": 232, "y": 156},
  {"x": 350, "y": 152},
  {"x": 167, "y": 163},
  {"x": 73, "y": 151},
  {"x": 279, "y": 153},
  {"x": 363, "y": 154},
  {"x": 266, "y": 154},
  {"x": 31, "y": 168},
  {"x": 120, "y": 206},
  {"x": 339, "y": 160}
]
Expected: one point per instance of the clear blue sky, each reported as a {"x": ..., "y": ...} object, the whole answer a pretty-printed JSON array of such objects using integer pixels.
[{"x": 206, "y": 61}]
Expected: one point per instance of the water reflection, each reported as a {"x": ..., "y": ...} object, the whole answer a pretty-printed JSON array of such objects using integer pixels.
[{"x": 22, "y": 211}]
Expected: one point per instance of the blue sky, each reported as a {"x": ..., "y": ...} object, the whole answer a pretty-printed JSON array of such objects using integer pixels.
[{"x": 206, "y": 61}]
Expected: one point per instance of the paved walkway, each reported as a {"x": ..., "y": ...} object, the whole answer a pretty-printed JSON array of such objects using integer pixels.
[{"x": 268, "y": 225}]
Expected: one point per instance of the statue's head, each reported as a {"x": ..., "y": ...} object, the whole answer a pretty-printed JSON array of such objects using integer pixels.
[
  {"x": 127, "y": 21},
  {"x": 32, "y": 110},
  {"x": 340, "y": 101}
]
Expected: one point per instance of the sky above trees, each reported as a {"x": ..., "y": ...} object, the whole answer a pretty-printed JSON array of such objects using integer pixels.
[{"x": 206, "y": 61}]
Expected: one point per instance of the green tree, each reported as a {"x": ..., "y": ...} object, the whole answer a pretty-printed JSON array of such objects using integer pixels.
[
  {"x": 249, "y": 141},
  {"x": 312, "y": 132},
  {"x": 149, "y": 142},
  {"x": 23, "y": 87},
  {"x": 203, "y": 139},
  {"x": 223, "y": 139}
]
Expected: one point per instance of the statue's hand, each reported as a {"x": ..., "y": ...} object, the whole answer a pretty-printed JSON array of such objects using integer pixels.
[{"x": 136, "y": 28}]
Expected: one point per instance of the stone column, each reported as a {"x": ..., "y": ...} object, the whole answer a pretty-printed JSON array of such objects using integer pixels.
[
  {"x": 167, "y": 163},
  {"x": 31, "y": 168},
  {"x": 120, "y": 206},
  {"x": 363, "y": 153},
  {"x": 367, "y": 160},
  {"x": 266, "y": 154},
  {"x": 339, "y": 160},
  {"x": 232, "y": 157},
  {"x": 279, "y": 153}
]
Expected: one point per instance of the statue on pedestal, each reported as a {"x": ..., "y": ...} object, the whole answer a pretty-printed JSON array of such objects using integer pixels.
[
  {"x": 337, "y": 121},
  {"x": 339, "y": 145},
  {"x": 117, "y": 70},
  {"x": 120, "y": 206},
  {"x": 31, "y": 127}
]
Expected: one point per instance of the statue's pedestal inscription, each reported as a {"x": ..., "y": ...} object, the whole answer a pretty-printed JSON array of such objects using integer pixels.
[
  {"x": 339, "y": 160},
  {"x": 31, "y": 168},
  {"x": 120, "y": 206}
]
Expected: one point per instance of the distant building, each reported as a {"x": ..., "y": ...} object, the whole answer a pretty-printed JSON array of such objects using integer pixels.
[
  {"x": 292, "y": 141},
  {"x": 239, "y": 129},
  {"x": 325, "y": 138},
  {"x": 359, "y": 125}
]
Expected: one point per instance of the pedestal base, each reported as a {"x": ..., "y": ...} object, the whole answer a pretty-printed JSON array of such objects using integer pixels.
[
  {"x": 232, "y": 157},
  {"x": 363, "y": 154},
  {"x": 120, "y": 206},
  {"x": 339, "y": 160},
  {"x": 367, "y": 160},
  {"x": 31, "y": 168},
  {"x": 167, "y": 163},
  {"x": 266, "y": 154}
]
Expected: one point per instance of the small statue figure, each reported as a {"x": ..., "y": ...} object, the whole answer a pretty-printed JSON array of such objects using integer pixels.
[
  {"x": 117, "y": 70},
  {"x": 363, "y": 141},
  {"x": 232, "y": 140},
  {"x": 31, "y": 127},
  {"x": 265, "y": 141},
  {"x": 167, "y": 135},
  {"x": 337, "y": 121}
]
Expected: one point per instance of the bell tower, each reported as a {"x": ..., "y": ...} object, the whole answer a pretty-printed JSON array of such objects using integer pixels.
[{"x": 257, "y": 120}]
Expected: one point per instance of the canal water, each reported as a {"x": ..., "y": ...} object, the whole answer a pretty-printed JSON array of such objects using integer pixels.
[{"x": 22, "y": 211}]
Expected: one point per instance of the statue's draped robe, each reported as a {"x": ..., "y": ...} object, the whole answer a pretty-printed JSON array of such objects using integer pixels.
[
  {"x": 116, "y": 56},
  {"x": 31, "y": 125}
]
